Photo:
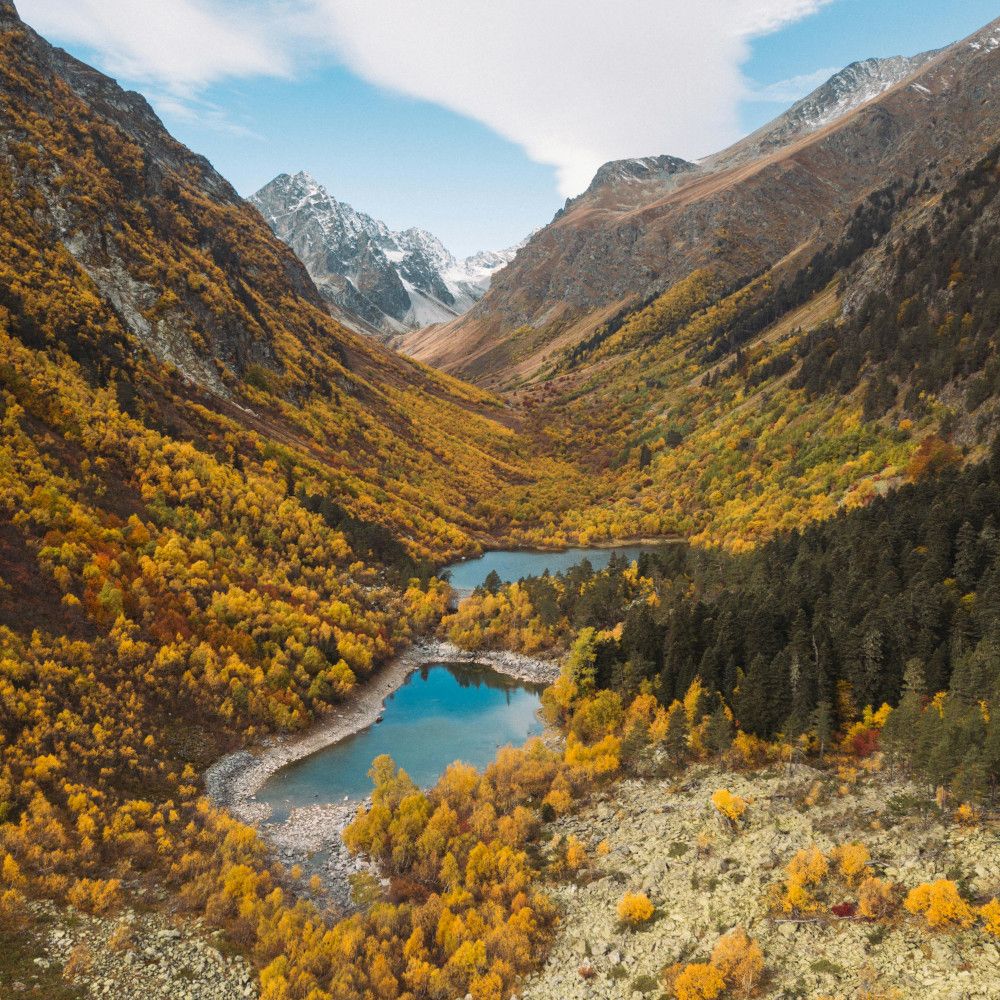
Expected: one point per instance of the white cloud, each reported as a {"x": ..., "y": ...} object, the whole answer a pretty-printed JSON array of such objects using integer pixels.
[
  {"x": 181, "y": 45},
  {"x": 573, "y": 82},
  {"x": 793, "y": 89}
]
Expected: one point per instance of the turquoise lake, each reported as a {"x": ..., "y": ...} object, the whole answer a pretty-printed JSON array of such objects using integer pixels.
[
  {"x": 443, "y": 712},
  {"x": 512, "y": 564}
]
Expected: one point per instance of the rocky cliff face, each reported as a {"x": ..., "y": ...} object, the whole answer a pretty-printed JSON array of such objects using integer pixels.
[
  {"x": 781, "y": 191},
  {"x": 169, "y": 245},
  {"x": 632, "y": 180},
  {"x": 392, "y": 281}
]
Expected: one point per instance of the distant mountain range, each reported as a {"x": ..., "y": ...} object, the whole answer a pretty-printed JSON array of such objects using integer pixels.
[
  {"x": 391, "y": 281},
  {"x": 645, "y": 223}
]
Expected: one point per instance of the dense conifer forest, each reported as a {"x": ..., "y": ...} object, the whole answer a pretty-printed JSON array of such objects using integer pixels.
[{"x": 896, "y": 601}]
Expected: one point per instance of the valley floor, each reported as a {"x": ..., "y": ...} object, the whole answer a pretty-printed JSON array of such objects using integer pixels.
[{"x": 665, "y": 841}]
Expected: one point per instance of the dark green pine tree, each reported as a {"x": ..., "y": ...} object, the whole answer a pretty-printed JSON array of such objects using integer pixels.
[
  {"x": 945, "y": 756},
  {"x": 968, "y": 558},
  {"x": 802, "y": 675},
  {"x": 763, "y": 700},
  {"x": 898, "y": 734},
  {"x": 720, "y": 731},
  {"x": 821, "y": 726},
  {"x": 676, "y": 742},
  {"x": 627, "y": 678},
  {"x": 640, "y": 635},
  {"x": 974, "y": 672}
]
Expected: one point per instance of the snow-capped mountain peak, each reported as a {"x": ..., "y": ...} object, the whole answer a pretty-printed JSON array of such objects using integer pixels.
[{"x": 394, "y": 281}]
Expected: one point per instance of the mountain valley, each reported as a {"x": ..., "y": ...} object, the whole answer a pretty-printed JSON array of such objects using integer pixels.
[{"x": 242, "y": 440}]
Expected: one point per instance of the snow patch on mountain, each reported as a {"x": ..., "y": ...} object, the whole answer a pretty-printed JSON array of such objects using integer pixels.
[
  {"x": 394, "y": 281},
  {"x": 853, "y": 86}
]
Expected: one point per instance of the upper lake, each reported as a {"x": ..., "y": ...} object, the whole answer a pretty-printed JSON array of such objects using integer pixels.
[{"x": 513, "y": 564}]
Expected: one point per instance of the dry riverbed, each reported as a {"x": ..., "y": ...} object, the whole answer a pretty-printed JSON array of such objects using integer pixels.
[{"x": 311, "y": 835}]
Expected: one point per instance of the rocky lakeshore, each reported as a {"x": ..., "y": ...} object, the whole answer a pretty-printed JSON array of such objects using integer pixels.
[{"x": 311, "y": 835}]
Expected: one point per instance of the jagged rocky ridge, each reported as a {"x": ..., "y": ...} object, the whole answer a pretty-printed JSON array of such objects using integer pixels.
[
  {"x": 853, "y": 86},
  {"x": 778, "y": 195},
  {"x": 392, "y": 281}
]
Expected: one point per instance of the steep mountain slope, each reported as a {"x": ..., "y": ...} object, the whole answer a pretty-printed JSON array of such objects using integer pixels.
[
  {"x": 133, "y": 257},
  {"x": 728, "y": 413},
  {"x": 853, "y": 86},
  {"x": 196, "y": 461},
  {"x": 779, "y": 194},
  {"x": 391, "y": 281}
]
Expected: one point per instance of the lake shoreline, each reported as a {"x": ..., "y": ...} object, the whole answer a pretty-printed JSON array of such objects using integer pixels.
[
  {"x": 233, "y": 781},
  {"x": 611, "y": 543}
]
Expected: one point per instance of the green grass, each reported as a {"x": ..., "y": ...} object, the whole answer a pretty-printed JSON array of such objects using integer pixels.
[{"x": 19, "y": 947}]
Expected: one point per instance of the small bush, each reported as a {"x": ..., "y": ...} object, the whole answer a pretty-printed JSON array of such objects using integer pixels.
[
  {"x": 635, "y": 909},
  {"x": 990, "y": 916},
  {"x": 874, "y": 898},
  {"x": 78, "y": 964},
  {"x": 576, "y": 853},
  {"x": 852, "y": 861},
  {"x": 730, "y": 807},
  {"x": 808, "y": 867},
  {"x": 823, "y": 966},
  {"x": 940, "y": 904},
  {"x": 95, "y": 895},
  {"x": 699, "y": 981},
  {"x": 122, "y": 938},
  {"x": 739, "y": 959},
  {"x": 643, "y": 984}
]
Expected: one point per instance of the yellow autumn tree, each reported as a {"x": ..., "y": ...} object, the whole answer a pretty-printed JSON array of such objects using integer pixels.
[
  {"x": 635, "y": 909},
  {"x": 940, "y": 904}
]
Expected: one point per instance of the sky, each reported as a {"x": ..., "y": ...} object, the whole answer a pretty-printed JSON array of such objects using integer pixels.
[{"x": 475, "y": 119}]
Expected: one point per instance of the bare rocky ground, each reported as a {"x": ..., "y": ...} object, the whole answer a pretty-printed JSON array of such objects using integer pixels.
[
  {"x": 666, "y": 840},
  {"x": 128, "y": 956}
]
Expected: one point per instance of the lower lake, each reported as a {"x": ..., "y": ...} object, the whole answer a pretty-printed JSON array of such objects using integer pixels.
[{"x": 443, "y": 712}]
